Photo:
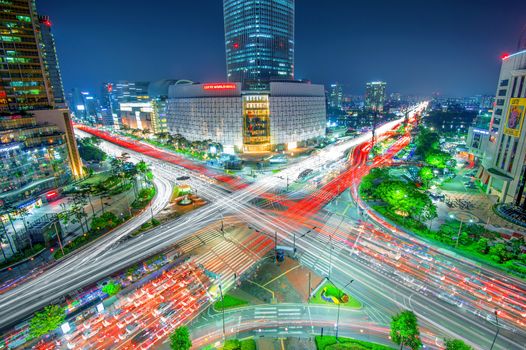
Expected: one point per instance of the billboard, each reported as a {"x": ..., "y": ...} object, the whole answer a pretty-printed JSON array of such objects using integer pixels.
[{"x": 515, "y": 117}]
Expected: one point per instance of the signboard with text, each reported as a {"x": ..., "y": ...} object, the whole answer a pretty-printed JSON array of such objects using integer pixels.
[{"x": 515, "y": 117}]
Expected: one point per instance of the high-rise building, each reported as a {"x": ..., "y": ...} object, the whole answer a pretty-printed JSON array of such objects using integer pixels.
[
  {"x": 259, "y": 40},
  {"x": 85, "y": 107},
  {"x": 375, "y": 96},
  {"x": 504, "y": 167},
  {"x": 24, "y": 83},
  {"x": 336, "y": 96},
  {"x": 49, "y": 55}
]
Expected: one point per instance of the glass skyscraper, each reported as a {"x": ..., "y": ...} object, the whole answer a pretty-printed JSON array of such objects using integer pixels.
[
  {"x": 24, "y": 83},
  {"x": 259, "y": 40}
]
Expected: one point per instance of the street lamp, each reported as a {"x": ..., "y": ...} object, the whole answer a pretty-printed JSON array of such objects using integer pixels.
[
  {"x": 498, "y": 329},
  {"x": 222, "y": 306},
  {"x": 460, "y": 227},
  {"x": 339, "y": 304}
]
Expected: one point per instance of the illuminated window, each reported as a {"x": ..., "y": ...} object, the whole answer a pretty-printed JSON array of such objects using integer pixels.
[
  {"x": 23, "y": 18},
  {"x": 10, "y": 38}
]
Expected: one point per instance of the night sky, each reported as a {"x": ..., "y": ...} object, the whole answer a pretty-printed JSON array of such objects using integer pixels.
[{"x": 416, "y": 46}]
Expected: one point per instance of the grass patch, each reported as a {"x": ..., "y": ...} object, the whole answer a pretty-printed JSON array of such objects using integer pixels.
[
  {"x": 335, "y": 292},
  {"x": 145, "y": 196},
  {"x": 330, "y": 343},
  {"x": 234, "y": 344},
  {"x": 230, "y": 302}
]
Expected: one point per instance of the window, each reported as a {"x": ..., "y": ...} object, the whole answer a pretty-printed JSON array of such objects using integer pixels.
[
  {"x": 24, "y": 18},
  {"x": 500, "y": 102},
  {"x": 521, "y": 85},
  {"x": 502, "y": 92},
  {"x": 498, "y": 111},
  {"x": 504, "y": 82}
]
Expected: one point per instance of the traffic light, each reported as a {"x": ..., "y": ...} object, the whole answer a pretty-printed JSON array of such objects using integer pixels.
[{"x": 280, "y": 255}]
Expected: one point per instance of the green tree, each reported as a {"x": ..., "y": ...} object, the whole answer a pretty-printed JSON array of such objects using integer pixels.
[
  {"x": 111, "y": 288},
  {"x": 232, "y": 344},
  {"x": 426, "y": 175},
  {"x": 404, "y": 330},
  {"x": 456, "y": 344},
  {"x": 499, "y": 253},
  {"x": 180, "y": 339},
  {"x": 107, "y": 220},
  {"x": 438, "y": 159},
  {"x": 482, "y": 245},
  {"x": 46, "y": 320}
]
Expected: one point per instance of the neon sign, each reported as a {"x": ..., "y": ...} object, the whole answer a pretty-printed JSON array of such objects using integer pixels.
[{"x": 219, "y": 86}]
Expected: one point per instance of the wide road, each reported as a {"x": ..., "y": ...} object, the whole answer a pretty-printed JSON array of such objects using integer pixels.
[
  {"x": 290, "y": 320},
  {"x": 111, "y": 254},
  {"x": 117, "y": 257}
]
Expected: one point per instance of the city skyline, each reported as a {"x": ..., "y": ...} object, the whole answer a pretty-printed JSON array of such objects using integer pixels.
[{"x": 186, "y": 41}]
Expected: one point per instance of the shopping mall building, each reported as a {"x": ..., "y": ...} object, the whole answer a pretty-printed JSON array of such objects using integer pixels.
[{"x": 283, "y": 115}]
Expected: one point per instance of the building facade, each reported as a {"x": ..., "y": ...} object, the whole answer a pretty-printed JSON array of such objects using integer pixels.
[
  {"x": 336, "y": 96},
  {"x": 24, "y": 83},
  {"x": 375, "y": 96},
  {"x": 259, "y": 40},
  {"x": 286, "y": 115},
  {"x": 504, "y": 165},
  {"x": 33, "y": 159},
  {"x": 49, "y": 55}
]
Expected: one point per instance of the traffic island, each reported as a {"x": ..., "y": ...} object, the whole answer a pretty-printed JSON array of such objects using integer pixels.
[
  {"x": 333, "y": 343},
  {"x": 328, "y": 294}
]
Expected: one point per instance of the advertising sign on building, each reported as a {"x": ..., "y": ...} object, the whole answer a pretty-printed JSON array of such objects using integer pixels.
[{"x": 515, "y": 117}]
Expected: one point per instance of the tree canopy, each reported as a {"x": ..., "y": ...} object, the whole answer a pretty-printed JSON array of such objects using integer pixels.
[
  {"x": 180, "y": 339},
  {"x": 46, "y": 320},
  {"x": 456, "y": 344},
  {"x": 404, "y": 330},
  {"x": 111, "y": 288}
]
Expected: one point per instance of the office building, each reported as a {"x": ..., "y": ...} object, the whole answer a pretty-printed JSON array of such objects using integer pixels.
[
  {"x": 113, "y": 94},
  {"x": 478, "y": 136},
  {"x": 49, "y": 55},
  {"x": 259, "y": 41},
  {"x": 287, "y": 115},
  {"x": 336, "y": 96},
  {"x": 375, "y": 96},
  {"x": 147, "y": 114},
  {"x": 24, "y": 83},
  {"x": 85, "y": 107},
  {"x": 503, "y": 167}
]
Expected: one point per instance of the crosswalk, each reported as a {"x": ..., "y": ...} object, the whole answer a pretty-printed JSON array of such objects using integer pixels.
[
  {"x": 230, "y": 259},
  {"x": 274, "y": 315}
]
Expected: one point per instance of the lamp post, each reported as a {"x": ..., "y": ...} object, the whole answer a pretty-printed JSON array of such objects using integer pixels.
[
  {"x": 222, "y": 222},
  {"x": 460, "y": 227},
  {"x": 339, "y": 304},
  {"x": 331, "y": 246},
  {"x": 222, "y": 306},
  {"x": 498, "y": 329}
]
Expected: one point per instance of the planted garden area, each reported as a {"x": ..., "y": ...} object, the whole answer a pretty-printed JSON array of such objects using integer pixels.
[
  {"x": 407, "y": 205},
  {"x": 329, "y": 294},
  {"x": 331, "y": 343}
]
